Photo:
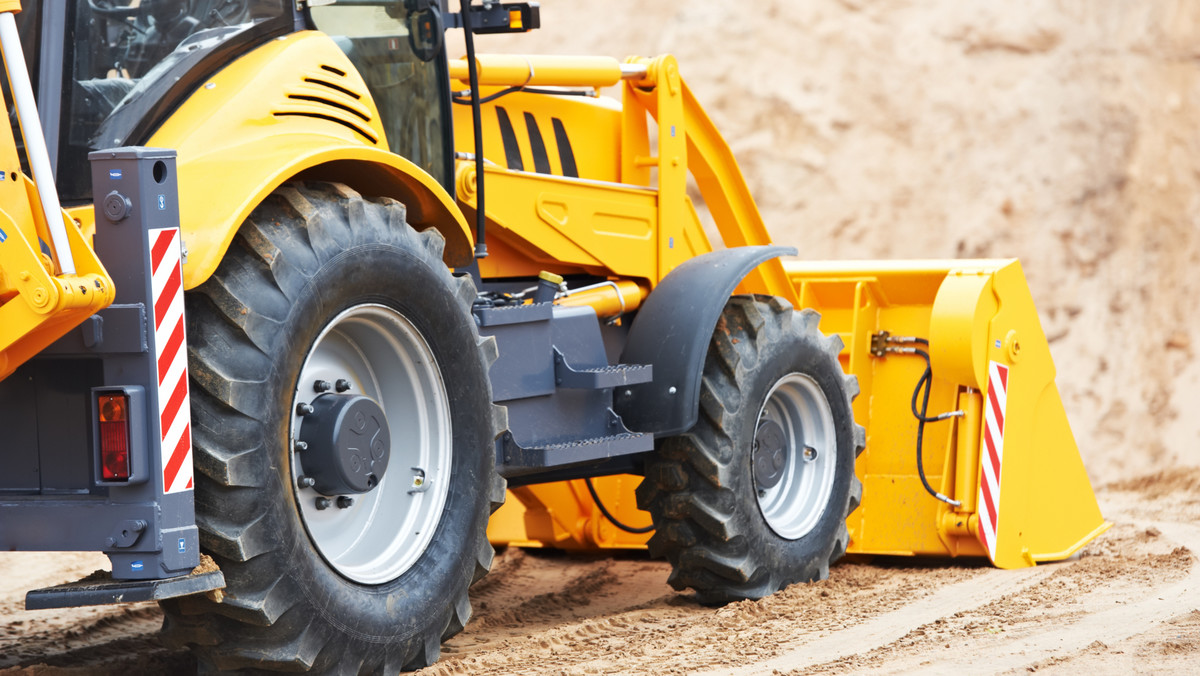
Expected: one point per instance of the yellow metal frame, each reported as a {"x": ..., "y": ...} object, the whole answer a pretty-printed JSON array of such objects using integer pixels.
[{"x": 609, "y": 220}]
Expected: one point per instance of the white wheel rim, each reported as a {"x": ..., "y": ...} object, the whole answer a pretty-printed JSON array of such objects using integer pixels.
[
  {"x": 794, "y": 505},
  {"x": 384, "y": 357}
]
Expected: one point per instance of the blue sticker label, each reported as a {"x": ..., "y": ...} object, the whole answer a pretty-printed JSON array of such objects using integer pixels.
[
  {"x": 997, "y": 343},
  {"x": 2, "y": 237},
  {"x": 162, "y": 202},
  {"x": 114, "y": 174},
  {"x": 2, "y": 175},
  {"x": 136, "y": 565},
  {"x": 182, "y": 546}
]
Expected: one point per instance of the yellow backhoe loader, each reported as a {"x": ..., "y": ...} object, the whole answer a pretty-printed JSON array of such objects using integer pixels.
[{"x": 284, "y": 286}]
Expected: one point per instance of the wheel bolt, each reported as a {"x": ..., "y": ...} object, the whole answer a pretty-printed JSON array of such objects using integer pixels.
[
  {"x": 344, "y": 501},
  {"x": 342, "y": 385},
  {"x": 306, "y": 482},
  {"x": 300, "y": 446},
  {"x": 303, "y": 408},
  {"x": 323, "y": 503},
  {"x": 321, "y": 386}
]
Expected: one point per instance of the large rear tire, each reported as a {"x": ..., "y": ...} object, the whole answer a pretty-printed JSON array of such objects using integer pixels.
[
  {"x": 755, "y": 496},
  {"x": 322, "y": 285}
]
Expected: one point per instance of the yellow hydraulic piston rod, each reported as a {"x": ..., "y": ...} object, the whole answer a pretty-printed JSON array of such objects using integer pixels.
[
  {"x": 506, "y": 70},
  {"x": 608, "y": 299}
]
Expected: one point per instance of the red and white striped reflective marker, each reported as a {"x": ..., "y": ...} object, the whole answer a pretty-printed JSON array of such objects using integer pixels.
[
  {"x": 993, "y": 455},
  {"x": 174, "y": 406}
]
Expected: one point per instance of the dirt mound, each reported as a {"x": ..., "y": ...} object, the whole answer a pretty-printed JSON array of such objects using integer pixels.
[{"x": 1179, "y": 480}]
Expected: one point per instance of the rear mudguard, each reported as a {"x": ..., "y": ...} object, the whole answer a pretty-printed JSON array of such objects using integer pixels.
[{"x": 672, "y": 331}]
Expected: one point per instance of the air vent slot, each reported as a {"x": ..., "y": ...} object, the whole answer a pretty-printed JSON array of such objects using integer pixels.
[
  {"x": 336, "y": 71},
  {"x": 365, "y": 133},
  {"x": 334, "y": 104},
  {"x": 334, "y": 87}
]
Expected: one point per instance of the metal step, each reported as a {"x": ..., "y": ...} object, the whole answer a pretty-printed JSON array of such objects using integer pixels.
[
  {"x": 98, "y": 590},
  {"x": 518, "y": 460},
  {"x": 599, "y": 378}
]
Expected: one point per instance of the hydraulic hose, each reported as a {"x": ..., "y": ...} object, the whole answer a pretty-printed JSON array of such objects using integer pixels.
[
  {"x": 925, "y": 382},
  {"x": 608, "y": 515}
]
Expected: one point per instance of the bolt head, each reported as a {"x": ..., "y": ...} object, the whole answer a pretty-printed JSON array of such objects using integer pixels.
[
  {"x": 323, "y": 503},
  {"x": 341, "y": 385},
  {"x": 322, "y": 386},
  {"x": 304, "y": 408},
  {"x": 300, "y": 446},
  {"x": 306, "y": 482},
  {"x": 344, "y": 501}
]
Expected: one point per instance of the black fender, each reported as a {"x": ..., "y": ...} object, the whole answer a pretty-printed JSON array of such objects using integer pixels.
[{"x": 671, "y": 332}]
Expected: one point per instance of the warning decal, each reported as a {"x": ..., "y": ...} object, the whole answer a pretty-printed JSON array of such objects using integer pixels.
[
  {"x": 173, "y": 402},
  {"x": 993, "y": 455}
]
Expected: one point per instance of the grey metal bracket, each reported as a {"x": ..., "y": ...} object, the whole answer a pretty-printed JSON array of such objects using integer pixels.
[
  {"x": 103, "y": 591},
  {"x": 615, "y": 375}
]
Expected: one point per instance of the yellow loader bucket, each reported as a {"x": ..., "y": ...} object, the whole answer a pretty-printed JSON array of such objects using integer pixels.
[{"x": 1003, "y": 457}]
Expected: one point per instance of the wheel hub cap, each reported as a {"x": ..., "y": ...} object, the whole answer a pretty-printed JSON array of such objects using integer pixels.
[
  {"x": 347, "y": 441},
  {"x": 770, "y": 454}
]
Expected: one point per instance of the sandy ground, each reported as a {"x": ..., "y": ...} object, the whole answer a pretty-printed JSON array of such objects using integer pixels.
[
  {"x": 1061, "y": 132},
  {"x": 1128, "y": 603}
]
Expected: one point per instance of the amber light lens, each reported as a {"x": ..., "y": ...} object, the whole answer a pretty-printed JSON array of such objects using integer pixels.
[{"x": 114, "y": 436}]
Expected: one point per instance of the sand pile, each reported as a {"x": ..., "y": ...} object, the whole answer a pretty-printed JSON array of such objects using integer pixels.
[{"x": 1062, "y": 133}]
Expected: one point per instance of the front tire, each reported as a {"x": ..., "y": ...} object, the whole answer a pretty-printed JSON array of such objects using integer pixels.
[
  {"x": 324, "y": 285},
  {"x": 755, "y": 496}
]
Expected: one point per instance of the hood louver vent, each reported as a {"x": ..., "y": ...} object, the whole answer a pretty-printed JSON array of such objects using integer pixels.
[{"x": 326, "y": 95}]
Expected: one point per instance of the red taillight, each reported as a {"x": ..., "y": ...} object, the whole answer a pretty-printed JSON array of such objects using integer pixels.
[{"x": 114, "y": 436}]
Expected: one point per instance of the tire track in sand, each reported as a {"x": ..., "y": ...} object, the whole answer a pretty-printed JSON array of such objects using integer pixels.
[
  {"x": 889, "y": 627},
  {"x": 910, "y": 640}
]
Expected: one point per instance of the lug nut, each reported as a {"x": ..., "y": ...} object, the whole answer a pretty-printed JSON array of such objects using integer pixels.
[
  {"x": 300, "y": 446},
  {"x": 344, "y": 501},
  {"x": 321, "y": 386},
  {"x": 303, "y": 408},
  {"x": 323, "y": 503},
  {"x": 306, "y": 482},
  {"x": 342, "y": 385}
]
